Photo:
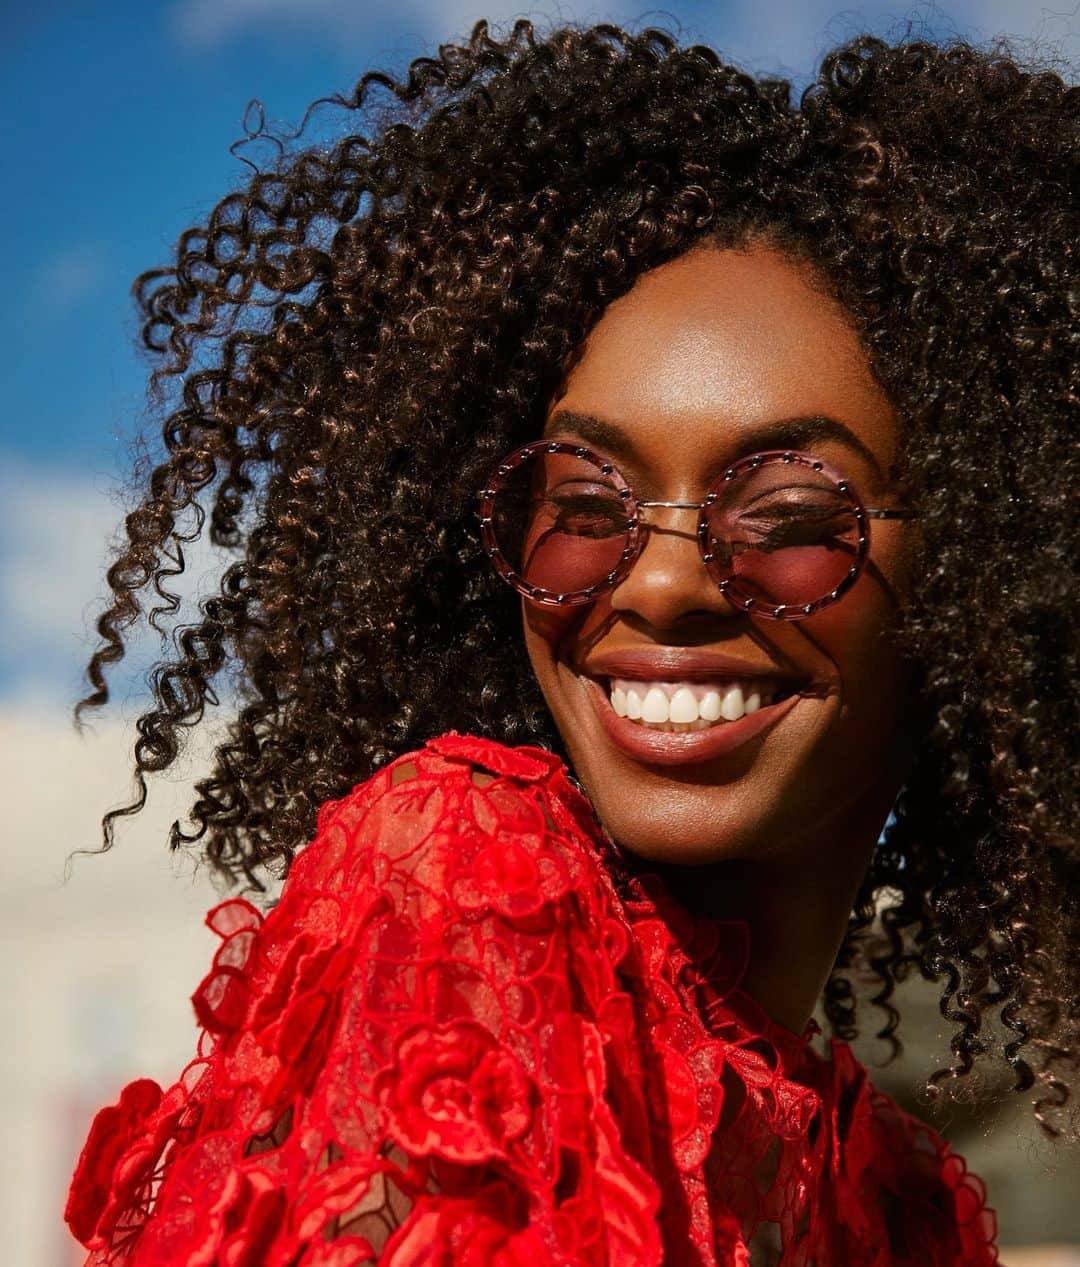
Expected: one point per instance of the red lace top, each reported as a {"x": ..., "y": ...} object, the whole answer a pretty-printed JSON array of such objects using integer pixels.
[{"x": 468, "y": 1036}]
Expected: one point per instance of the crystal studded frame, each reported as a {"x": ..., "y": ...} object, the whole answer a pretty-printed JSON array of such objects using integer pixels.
[{"x": 727, "y": 583}]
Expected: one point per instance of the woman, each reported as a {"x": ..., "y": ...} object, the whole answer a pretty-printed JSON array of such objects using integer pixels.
[{"x": 600, "y": 408}]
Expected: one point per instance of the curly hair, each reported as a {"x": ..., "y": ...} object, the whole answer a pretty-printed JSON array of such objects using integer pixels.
[{"x": 359, "y": 333}]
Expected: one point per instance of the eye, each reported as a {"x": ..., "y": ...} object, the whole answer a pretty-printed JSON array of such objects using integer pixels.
[
  {"x": 782, "y": 523},
  {"x": 588, "y": 514}
]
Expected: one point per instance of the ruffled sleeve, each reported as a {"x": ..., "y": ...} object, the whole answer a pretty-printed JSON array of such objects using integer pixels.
[
  {"x": 902, "y": 1197},
  {"x": 422, "y": 1054}
]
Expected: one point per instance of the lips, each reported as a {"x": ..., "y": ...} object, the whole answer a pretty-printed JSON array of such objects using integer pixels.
[
  {"x": 657, "y": 747},
  {"x": 675, "y": 664}
]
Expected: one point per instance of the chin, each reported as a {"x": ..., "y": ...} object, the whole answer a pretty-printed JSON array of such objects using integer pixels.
[{"x": 690, "y": 827}]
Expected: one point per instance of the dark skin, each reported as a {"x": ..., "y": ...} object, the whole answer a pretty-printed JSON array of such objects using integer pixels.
[{"x": 690, "y": 366}]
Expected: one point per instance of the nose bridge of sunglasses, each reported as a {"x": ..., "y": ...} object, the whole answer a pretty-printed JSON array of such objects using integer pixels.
[
  {"x": 673, "y": 505},
  {"x": 669, "y": 519}
]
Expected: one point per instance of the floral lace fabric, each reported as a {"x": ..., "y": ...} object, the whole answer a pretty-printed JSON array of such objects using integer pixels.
[{"x": 464, "y": 1037}]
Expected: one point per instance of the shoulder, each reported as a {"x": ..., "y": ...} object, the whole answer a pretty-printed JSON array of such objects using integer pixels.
[
  {"x": 431, "y": 1009},
  {"x": 448, "y": 760},
  {"x": 488, "y": 824}
]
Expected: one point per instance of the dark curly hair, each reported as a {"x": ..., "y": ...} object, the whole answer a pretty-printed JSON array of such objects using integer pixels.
[{"x": 359, "y": 333}]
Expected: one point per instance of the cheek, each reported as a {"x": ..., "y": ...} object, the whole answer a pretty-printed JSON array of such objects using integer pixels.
[
  {"x": 551, "y": 634},
  {"x": 872, "y": 677},
  {"x": 563, "y": 562}
]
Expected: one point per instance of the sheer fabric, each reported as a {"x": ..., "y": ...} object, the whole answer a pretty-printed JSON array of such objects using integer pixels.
[{"x": 468, "y": 1035}]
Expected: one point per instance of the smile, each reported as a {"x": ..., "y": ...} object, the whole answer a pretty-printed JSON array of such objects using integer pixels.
[{"x": 680, "y": 722}]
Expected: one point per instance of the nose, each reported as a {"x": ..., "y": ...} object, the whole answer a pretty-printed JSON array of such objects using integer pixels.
[{"x": 668, "y": 579}]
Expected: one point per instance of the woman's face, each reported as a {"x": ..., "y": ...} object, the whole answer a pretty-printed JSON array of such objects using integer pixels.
[{"x": 714, "y": 355}]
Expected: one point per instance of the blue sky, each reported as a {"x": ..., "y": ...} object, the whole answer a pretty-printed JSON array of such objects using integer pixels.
[{"x": 117, "y": 126}]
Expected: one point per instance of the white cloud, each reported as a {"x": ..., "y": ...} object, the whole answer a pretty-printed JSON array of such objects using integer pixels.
[
  {"x": 210, "y": 22},
  {"x": 786, "y": 36},
  {"x": 791, "y": 38},
  {"x": 207, "y": 23},
  {"x": 1055, "y": 25},
  {"x": 54, "y": 525},
  {"x": 67, "y": 276}
]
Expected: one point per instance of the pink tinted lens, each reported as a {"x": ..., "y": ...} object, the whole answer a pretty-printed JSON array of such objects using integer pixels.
[
  {"x": 560, "y": 523},
  {"x": 785, "y": 534}
]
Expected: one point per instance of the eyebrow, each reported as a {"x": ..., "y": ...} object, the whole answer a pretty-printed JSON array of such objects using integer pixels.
[{"x": 797, "y": 432}]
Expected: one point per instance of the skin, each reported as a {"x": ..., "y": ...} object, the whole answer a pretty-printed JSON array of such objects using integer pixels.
[{"x": 688, "y": 365}]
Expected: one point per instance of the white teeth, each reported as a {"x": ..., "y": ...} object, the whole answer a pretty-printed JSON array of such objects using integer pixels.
[
  {"x": 654, "y": 707},
  {"x": 684, "y": 706},
  {"x": 731, "y": 706},
  {"x": 709, "y": 706}
]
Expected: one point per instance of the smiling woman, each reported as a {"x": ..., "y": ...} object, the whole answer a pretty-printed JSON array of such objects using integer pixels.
[
  {"x": 651, "y": 480},
  {"x": 700, "y": 362}
]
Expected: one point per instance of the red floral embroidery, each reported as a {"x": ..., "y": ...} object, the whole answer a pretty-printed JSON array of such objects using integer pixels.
[
  {"x": 693, "y": 1064},
  {"x": 303, "y": 1026},
  {"x": 505, "y": 863},
  {"x": 333, "y": 1192},
  {"x": 976, "y": 1224},
  {"x": 469, "y": 1034},
  {"x": 529, "y": 765},
  {"x": 454, "y": 1091},
  {"x": 112, "y": 1132},
  {"x": 221, "y": 998},
  {"x": 346, "y": 1251},
  {"x": 487, "y": 1230},
  {"x": 243, "y": 1221},
  {"x": 111, "y": 1184}
]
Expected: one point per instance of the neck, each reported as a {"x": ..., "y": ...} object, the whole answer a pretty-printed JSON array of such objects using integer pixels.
[
  {"x": 797, "y": 909},
  {"x": 796, "y": 929}
]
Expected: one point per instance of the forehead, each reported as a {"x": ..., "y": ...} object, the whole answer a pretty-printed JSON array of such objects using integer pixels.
[{"x": 710, "y": 349}]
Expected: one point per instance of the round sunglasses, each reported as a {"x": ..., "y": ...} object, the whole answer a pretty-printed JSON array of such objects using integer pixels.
[{"x": 782, "y": 533}]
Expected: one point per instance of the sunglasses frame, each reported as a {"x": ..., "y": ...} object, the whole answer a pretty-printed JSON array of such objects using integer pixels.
[{"x": 637, "y": 530}]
